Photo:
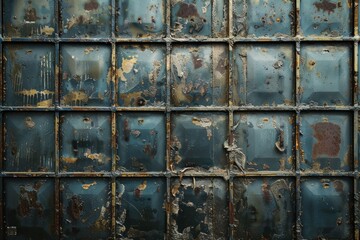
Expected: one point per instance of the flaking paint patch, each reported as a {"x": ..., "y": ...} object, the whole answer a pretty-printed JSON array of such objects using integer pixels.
[
  {"x": 126, "y": 66},
  {"x": 86, "y": 186}
]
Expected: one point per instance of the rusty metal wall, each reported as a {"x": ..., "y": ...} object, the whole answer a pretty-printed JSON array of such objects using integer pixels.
[{"x": 179, "y": 119}]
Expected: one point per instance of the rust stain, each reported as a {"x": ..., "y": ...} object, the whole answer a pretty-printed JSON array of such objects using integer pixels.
[
  {"x": 126, "y": 66},
  {"x": 339, "y": 186},
  {"x": 70, "y": 160},
  {"x": 29, "y": 123},
  {"x": 29, "y": 200},
  {"x": 202, "y": 122},
  {"x": 325, "y": 6},
  {"x": 75, "y": 97},
  {"x": 198, "y": 62},
  {"x": 88, "y": 185},
  {"x": 329, "y": 139},
  {"x": 265, "y": 188},
  {"x": 187, "y": 10},
  {"x": 45, "y": 103},
  {"x": 75, "y": 207},
  {"x": 91, "y": 5}
]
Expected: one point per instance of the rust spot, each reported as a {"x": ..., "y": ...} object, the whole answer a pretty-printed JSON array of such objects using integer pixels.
[
  {"x": 326, "y": 6},
  {"x": 187, "y": 10},
  {"x": 198, "y": 63},
  {"x": 329, "y": 139},
  {"x": 339, "y": 186},
  {"x": 126, "y": 130},
  {"x": 148, "y": 150},
  {"x": 265, "y": 188},
  {"x": 91, "y": 5},
  {"x": 88, "y": 185},
  {"x": 75, "y": 207},
  {"x": 29, "y": 123},
  {"x": 29, "y": 200}
]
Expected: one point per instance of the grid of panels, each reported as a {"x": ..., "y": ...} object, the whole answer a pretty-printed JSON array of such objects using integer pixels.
[{"x": 145, "y": 119}]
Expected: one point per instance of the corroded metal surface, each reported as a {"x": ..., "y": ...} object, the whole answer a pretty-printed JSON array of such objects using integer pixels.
[{"x": 179, "y": 119}]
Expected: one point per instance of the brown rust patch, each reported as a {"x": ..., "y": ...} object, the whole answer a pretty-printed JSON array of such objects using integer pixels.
[
  {"x": 29, "y": 123},
  {"x": 325, "y": 6},
  {"x": 91, "y": 5},
  {"x": 29, "y": 200},
  {"x": 187, "y": 10},
  {"x": 339, "y": 186},
  {"x": 329, "y": 139},
  {"x": 86, "y": 186},
  {"x": 75, "y": 207},
  {"x": 198, "y": 62},
  {"x": 69, "y": 160}
]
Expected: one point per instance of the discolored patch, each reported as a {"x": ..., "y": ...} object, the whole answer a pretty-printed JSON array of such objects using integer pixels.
[{"x": 329, "y": 139}]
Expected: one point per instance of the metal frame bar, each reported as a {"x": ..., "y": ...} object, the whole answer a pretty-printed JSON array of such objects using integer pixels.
[{"x": 169, "y": 174}]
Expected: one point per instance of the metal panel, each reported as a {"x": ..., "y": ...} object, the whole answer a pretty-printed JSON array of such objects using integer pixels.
[
  {"x": 85, "y": 71},
  {"x": 199, "y": 75},
  {"x": 141, "y": 75},
  {"x": 29, "y": 18},
  {"x": 198, "y": 209},
  {"x": 196, "y": 141},
  {"x": 140, "y": 20},
  {"x": 85, "y": 142},
  {"x": 29, "y": 142},
  {"x": 29, "y": 74},
  {"x": 264, "y": 74},
  {"x": 266, "y": 141},
  {"x": 85, "y": 18},
  {"x": 325, "y": 77},
  {"x": 264, "y": 18},
  {"x": 263, "y": 208},
  {"x": 141, "y": 145},
  {"x": 326, "y": 208},
  {"x": 85, "y": 208},
  {"x": 326, "y": 18},
  {"x": 140, "y": 208},
  {"x": 326, "y": 142},
  {"x": 30, "y": 208}
]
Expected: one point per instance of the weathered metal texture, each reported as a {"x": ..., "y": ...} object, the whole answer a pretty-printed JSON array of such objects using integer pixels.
[
  {"x": 197, "y": 141},
  {"x": 199, "y": 75},
  {"x": 326, "y": 208},
  {"x": 85, "y": 75},
  {"x": 140, "y": 20},
  {"x": 140, "y": 208},
  {"x": 263, "y": 74},
  {"x": 34, "y": 19},
  {"x": 199, "y": 209},
  {"x": 85, "y": 18},
  {"x": 326, "y": 142},
  {"x": 85, "y": 208},
  {"x": 265, "y": 140},
  {"x": 326, "y": 18},
  {"x": 199, "y": 18},
  {"x": 141, "y": 73},
  {"x": 30, "y": 208},
  {"x": 264, "y": 209},
  {"x": 141, "y": 145},
  {"x": 29, "y": 74},
  {"x": 85, "y": 142},
  {"x": 264, "y": 18},
  {"x": 326, "y": 74},
  {"x": 29, "y": 142}
]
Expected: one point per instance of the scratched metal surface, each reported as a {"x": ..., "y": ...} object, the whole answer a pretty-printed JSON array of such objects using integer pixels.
[{"x": 179, "y": 119}]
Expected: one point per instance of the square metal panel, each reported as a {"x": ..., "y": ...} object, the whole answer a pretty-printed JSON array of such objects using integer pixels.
[
  {"x": 199, "y": 75},
  {"x": 326, "y": 141},
  {"x": 140, "y": 208},
  {"x": 263, "y": 74},
  {"x": 263, "y": 208},
  {"x": 29, "y": 142},
  {"x": 141, "y": 73},
  {"x": 138, "y": 19},
  {"x": 29, "y": 18},
  {"x": 199, "y": 209},
  {"x": 199, "y": 18},
  {"x": 197, "y": 141},
  {"x": 86, "y": 75},
  {"x": 30, "y": 208},
  {"x": 85, "y": 18},
  {"x": 85, "y": 208},
  {"x": 141, "y": 142},
  {"x": 266, "y": 140},
  {"x": 326, "y": 208},
  {"x": 331, "y": 18},
  {"x": 326, "y": 74},
  {"x": 264, "y": 18},
  {"x": 29, "y": 74},
  {"x": 85, "y": 142}
]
